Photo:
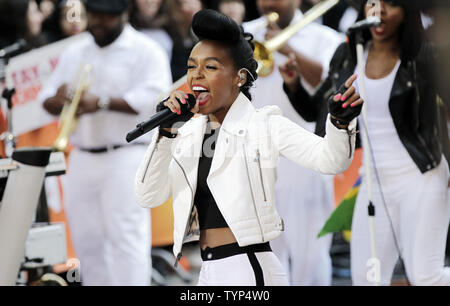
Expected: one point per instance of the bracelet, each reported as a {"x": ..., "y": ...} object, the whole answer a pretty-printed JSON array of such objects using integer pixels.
[
  {"x": 339, "y": 123},
  {"x": 103, "y": 103},
  {"x": 167, "y": 134}
]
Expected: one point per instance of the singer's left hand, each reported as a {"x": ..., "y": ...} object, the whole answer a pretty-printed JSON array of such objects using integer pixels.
[{"x": 345, "y": 104}]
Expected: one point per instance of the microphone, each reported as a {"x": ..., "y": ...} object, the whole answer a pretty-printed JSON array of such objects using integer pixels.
[
  {"x": 12, "y": 48},
  {"x": 369, "y": 22},
  {"x": 160, "y": 117}
]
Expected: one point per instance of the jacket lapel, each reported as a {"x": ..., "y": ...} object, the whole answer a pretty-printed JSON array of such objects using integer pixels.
[{"x": 235, "y": 124}]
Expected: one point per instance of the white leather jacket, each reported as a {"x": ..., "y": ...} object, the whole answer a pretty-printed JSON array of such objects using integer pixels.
[{"x": 243, "y": 170}]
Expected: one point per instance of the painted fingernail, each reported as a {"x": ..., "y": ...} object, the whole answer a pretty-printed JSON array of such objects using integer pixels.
[
  {"x": 338, "y": 97},
  {"x": 353, "y": 104},
  {"x": 184, "y": 101},
  {"x": 344, "y": 105},
  {"x": 343, "y": 98}
]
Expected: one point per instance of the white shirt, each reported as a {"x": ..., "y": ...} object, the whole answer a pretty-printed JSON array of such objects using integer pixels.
[
  {"x": 348, "y": 19},
  {"x": 132, "y": 67},
  {"x": 161, "y": 37},
  {"x": 315, "y": 41},
  {"x": 387, "y": 148}
]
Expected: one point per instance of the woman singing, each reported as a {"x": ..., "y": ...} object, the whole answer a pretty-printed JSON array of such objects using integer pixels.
[
  {"x": 409, "y": 173},
  {"x": 220, "y": 166}
]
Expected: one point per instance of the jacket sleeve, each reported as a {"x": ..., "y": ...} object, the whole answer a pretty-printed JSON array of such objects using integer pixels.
[
  {"x": 331, "y": 154},
  {"x": 152, "y": 184}
]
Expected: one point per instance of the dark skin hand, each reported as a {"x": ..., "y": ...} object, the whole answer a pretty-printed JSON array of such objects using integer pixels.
[
  {"x": 309, "y": 69},
  {"x": 291, "y": 75},
  {"x": 88, "y": 103},
  {"x": 54, "y": 105},
  {"x": 350, "y": 96}
]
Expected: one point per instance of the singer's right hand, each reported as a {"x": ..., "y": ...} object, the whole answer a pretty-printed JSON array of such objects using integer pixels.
[{"x": 173, "y": 103}]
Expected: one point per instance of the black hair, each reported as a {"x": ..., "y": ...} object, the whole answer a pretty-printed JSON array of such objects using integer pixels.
[
  {"x": 13, "y": 25},
  {"x": 13, "y": 20},
  {"x": 52, "y": 25},
  {"x": 412, "y": 33},
  {"x": 212, "y": 25},
  {"x": 160, "y": 20}
]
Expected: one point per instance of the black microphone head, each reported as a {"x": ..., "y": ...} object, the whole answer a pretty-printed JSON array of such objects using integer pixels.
[
  {"x": 191, "y": 100},
  {"x": 190, "y": 103},
  {"x": 369, "y": 22}
]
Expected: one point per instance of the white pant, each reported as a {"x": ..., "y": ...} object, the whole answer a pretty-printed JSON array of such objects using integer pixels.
[
  {"x": 419, "y": 208},
  {"x": 110, "y": 231},
  {"x": 304, "y": 201},
  {"x": 238, "y": 271}
]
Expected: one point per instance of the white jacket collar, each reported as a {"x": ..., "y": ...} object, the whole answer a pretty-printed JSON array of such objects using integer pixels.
[{"x": 235, "y": 121}]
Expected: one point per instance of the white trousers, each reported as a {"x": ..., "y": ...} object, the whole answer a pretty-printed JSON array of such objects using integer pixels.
[
  {"x": 304, "y": 201},
  {"x": 110, "y": 231},
  {"x": 237, "y": 270},
  {"x": 419, "y": 208}
]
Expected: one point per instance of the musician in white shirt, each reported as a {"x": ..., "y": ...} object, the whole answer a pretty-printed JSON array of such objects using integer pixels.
[{"x": 110, "y": 233}]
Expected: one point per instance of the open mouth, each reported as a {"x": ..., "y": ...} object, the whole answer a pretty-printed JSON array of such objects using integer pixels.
[
  {"x": 201, "y": 94},
  {"x": 381, "y": 29}
]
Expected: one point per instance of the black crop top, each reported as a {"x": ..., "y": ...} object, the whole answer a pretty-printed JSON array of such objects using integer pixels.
[{"x": 209, "y": 215}]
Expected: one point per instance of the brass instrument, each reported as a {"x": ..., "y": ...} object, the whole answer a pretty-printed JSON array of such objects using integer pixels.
[
  {"x": 264, "y": 51},
  {"x": 271, "y": 17},
  {"x": 68, "y": 121}
]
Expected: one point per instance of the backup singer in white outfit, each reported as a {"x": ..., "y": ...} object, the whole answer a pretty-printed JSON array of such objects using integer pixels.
[
  {"x": 111, "y": 233},
  {"x": 409, "y": 172},
  {"x": 304, "y": 198},
  {"x": 417, "y": 204}
]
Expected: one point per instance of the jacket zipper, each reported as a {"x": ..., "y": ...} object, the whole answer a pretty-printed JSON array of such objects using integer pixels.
[
  {"x": 188, "y": 223},
  {"x": 258, "y": 158},
  {"x": 251, "y": 191},
  {"x": 349, "y": 144}
]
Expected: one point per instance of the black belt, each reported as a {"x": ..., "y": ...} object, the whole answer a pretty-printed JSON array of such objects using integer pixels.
[
  {"x": 109, "y": 148},
  {"x": 232, "y": 249}
]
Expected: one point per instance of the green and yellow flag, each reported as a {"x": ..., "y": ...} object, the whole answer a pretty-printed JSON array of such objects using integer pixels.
[{"x": 341, "y": 217}]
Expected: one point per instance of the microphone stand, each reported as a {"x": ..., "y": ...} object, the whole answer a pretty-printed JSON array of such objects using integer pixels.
[
  {"x": 10, "y": 140},
  {"x": 374, "y": 261}
]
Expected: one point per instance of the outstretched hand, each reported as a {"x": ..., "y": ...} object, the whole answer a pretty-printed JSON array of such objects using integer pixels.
[{"x": 345, "y": 104}]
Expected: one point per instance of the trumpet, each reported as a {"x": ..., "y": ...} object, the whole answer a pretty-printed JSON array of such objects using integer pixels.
[
  {"x": 263, "y": 52},
  {"x": 67, "y": 120}
]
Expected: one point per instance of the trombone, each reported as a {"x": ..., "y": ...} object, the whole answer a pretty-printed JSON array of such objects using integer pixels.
[
  {"x": 263, "y": 52},
  {"x": 271, "y": 17},
  {"x": 67, "y": 120}
]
